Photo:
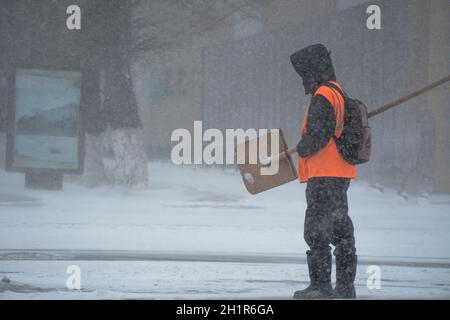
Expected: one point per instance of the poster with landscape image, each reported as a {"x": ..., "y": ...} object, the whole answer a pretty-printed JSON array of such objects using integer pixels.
[{"x": 46, "y": 119}]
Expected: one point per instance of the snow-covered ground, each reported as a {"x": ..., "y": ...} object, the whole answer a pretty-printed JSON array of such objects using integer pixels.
[{"x": 197, "y": 233}]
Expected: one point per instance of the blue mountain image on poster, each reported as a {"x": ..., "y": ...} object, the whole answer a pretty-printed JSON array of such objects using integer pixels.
[{"x": 47, "y": 119}]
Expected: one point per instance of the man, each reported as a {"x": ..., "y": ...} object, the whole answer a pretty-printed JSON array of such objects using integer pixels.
[{"x": 327, "y": 176}]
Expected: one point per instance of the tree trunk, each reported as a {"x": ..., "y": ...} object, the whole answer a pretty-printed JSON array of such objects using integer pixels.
[
  {"x": 131, "y": 159},
  {"x": 94, "y": 174},
  {"x": 94, "y": 124},
  {"x": 92, "y": 99},
  {"x": 120, "y": 101}
]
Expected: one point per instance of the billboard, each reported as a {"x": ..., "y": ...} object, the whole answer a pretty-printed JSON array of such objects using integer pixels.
[{"x": 44, "y": 121}]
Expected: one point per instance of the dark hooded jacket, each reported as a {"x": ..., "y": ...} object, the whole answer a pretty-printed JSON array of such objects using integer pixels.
[{"x": 315, "y": 67}]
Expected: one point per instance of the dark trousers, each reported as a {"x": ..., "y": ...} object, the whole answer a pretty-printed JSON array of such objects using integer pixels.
[{"x": 327, "y": 220}]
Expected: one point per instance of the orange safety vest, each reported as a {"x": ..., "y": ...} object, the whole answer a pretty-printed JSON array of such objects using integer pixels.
[{"x": 327, "y": 162}]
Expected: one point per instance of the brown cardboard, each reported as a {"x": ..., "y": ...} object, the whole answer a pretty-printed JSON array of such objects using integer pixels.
[{"x": 251, "y": 174}]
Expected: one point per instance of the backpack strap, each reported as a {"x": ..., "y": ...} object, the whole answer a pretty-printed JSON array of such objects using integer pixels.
[
  {"x": 336, "y": 91},
  {"x": 333, "y": 86}
]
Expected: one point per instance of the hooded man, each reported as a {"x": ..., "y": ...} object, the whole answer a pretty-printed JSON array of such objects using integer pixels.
[{"x": 327, "y": 176}]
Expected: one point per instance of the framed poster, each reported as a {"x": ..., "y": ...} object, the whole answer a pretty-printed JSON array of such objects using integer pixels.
[{"x": 44, "y": 121}]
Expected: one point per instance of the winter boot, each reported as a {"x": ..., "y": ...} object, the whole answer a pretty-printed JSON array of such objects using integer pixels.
[
  {"x": 345, "y": 276},
  {"x": 319, "y": 265}
]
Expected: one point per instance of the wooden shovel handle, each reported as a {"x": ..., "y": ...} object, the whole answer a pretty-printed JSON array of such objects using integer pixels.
[
  {"x": 283, "y": 154},
  {"x": 409, "y": 96},
  {"x": 291, "y": 150}
]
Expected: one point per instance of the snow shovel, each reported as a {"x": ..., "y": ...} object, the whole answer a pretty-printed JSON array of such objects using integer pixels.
[
  {"x": 255, "y": 182},
  {"x": 254, "y": 178}
]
